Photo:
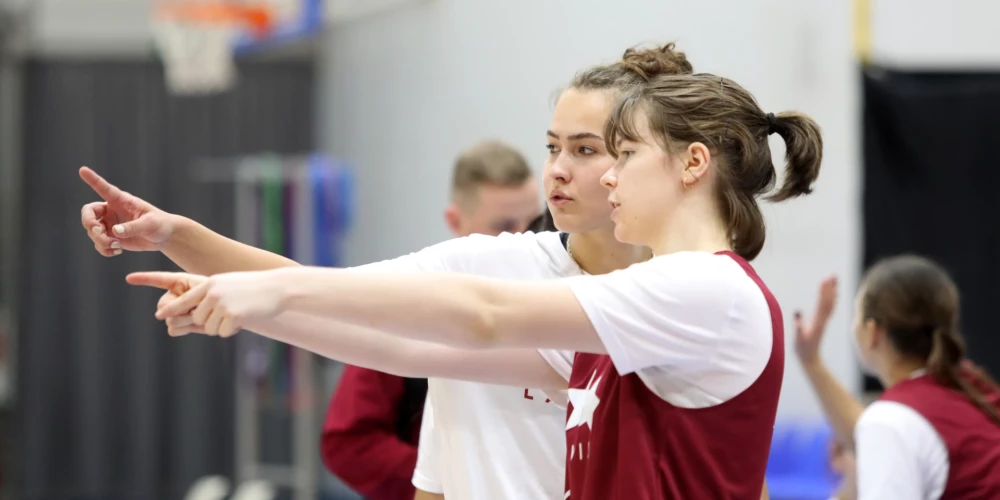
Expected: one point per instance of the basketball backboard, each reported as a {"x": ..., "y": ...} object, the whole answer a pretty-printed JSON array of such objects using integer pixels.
[
  {"x": 293, "y": 21},
  {"x": 298, "y": 20},
  {"x": 199, "y": 40}
]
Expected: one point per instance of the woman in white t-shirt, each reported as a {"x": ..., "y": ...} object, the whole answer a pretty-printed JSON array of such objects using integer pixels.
[
  {"x": 465, "y": 415},
  {"x": 935, "y": 431},
  {"x": 674, "y": 385}
]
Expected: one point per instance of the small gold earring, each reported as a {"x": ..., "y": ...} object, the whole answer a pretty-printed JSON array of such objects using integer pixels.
[{"x": 689, "y": 184}]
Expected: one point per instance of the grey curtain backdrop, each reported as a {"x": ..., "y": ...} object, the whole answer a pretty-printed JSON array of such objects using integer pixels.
[{"x": 110, "y": 407}]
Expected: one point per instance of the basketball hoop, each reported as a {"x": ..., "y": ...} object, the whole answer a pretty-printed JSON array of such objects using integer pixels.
[{"x": 196, "y": 38}]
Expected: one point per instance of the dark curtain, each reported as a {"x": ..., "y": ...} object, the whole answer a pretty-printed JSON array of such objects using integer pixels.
[
  {"x": 110, "y": 407},
  {"x": 932, "y": 185}
]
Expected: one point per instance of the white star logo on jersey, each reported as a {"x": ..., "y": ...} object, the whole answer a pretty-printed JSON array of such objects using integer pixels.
[{"x": 584, "y": 401}]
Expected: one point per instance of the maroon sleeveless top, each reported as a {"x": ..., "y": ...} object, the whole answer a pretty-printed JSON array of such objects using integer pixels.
[
  {"x": 971, "y": 438},
  {"x": 640, "y": 447}
]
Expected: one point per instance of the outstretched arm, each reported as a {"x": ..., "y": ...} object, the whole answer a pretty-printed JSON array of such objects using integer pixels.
[
  {"x": 199, "y": 250},
  {"x": 841, "y": 408},
  {"x": 458, "y": 310},
  {"x": 124, "y": 222},
  {"x": 668, "y": 310},
  {"x": 367, "y": 348},
  {"x": 411, "y": 358}
]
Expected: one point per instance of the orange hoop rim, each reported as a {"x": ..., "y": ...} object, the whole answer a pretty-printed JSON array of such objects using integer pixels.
[{"x": 257, "y": 16}]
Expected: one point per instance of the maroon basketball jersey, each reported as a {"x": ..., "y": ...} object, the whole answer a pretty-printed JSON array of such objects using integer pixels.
[
  {"x": 626, "y": 443},
  {"x": 970, "y": 437}
]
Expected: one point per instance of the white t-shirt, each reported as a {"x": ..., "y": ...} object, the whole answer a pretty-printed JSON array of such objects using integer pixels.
[
  {"x": 481, "y": 441},
  {"x": 898, "y": 453},
  {"x": 426, "y": 474},
  {"x": 694, "y": 326}
]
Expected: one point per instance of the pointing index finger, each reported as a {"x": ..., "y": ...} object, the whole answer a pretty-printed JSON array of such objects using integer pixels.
[
  {"x": 157, "y": 279},
  {"x": 103, "y": 188}
]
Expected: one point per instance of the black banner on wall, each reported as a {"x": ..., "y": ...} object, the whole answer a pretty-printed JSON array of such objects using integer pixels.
[
  {"x": 109, "y": 407},
  {"x": 932, "y": 186}
]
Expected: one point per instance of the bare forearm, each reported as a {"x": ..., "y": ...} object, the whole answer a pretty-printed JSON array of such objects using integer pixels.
[
  {"x": 417, "y": 301},
  {"x": 346, "y": 343},
  {"x": 464, "y": 311},
  {"x": 410, "y": 358},
  {"x": 199, "y": 250},
  {"x": 842, "y": 409}
]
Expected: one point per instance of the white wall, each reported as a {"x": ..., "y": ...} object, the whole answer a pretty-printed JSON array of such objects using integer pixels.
[
  {"x": 906, "y": 32},
  {"x": 87, "y": 27},
  {"x": 936, "y": 34},
  {"x": 408, "y": 89}
]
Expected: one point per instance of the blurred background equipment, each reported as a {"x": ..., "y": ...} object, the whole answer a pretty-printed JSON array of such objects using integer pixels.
[{"x": 298, "y": 207}]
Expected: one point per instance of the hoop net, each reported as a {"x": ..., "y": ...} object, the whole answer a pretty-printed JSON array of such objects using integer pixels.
[{"x": 195, "y": 41}]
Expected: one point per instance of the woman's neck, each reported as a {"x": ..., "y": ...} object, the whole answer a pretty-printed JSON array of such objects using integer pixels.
[
  {"x": 899, "y": 371},
  {"x": 691, "y": 229},
  {"x": 598, "y": 252}
]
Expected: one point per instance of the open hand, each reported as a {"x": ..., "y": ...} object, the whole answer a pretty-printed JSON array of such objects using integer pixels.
[
  {"x": 809, "y": 335},
  {"x": 219, "y": 305},
  {"x": 122, "y": 221}
]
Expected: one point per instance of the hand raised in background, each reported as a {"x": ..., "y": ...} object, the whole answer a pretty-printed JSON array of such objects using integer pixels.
[
  {"x": 122, "y": 221},
  {"x": 219, "y": 305},
  {"x": 809, "y": 335}
]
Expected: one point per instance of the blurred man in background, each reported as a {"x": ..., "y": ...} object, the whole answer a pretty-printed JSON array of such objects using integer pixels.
[{"x": 372, "y": 427}]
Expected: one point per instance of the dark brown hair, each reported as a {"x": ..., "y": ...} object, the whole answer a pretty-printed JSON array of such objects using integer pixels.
[
  {"x": 636, "y": 67},
  {"x": 488, "y": 162},
  {"x": 717, "y": 112},
  {"x": 917, "y": 304}
]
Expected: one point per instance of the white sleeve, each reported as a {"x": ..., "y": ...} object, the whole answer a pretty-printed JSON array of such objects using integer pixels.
[
  {"x": 695, "y": 315},
  {"x": 899, "y": 454},
  {"x": 425, "y": 476}
]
